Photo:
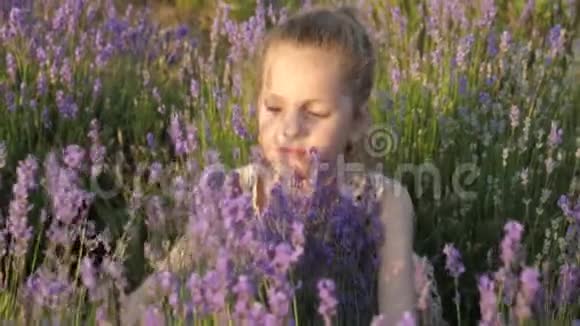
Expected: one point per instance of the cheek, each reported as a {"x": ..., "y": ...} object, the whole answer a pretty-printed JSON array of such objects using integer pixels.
[
  {"x": 331, "y": 139},
  {"x": 266, "y": 127}
]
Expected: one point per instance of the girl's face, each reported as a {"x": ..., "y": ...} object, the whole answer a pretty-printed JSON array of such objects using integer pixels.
[{"x": 303, "y": 105}]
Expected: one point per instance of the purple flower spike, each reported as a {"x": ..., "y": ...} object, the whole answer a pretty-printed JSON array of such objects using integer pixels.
[
  {"x": 510, "y": 245},
  {"x": 73, "y": 156},
  {"x": 279, "y": 302},
  {"x": 244, "y": 293},
  {"x": 453, "y": 262},
  {"x": 529, "y": 288},
  {"x": 238, "y": 123},
  {"x": 283, "y": 258},
  {"x": 88, "y": 273},
  {"x": 328, "y": 301},
  {"x": 153, "y": 317},
  {"x": 488, "y": 302},
  {"x": 177, "y": 137},
  {"x": 569, "y": 284},
  {"x": 17, "y": 223}
]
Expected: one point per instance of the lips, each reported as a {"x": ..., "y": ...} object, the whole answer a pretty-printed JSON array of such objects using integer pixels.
[{"x": 298, "y": 151}]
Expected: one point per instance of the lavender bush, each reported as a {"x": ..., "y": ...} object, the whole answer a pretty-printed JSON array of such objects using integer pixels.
[{"x": 113, "y": 127}]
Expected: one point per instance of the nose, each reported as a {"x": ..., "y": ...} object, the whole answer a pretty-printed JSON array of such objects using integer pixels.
[{"x": 291, "y": 126}]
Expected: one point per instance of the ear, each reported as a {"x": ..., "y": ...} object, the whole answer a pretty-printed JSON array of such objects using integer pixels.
[{"x": 361, "y": 123}]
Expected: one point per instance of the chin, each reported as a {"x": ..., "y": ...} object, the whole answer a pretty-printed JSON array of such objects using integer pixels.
[{"x": 298, "y": 169}]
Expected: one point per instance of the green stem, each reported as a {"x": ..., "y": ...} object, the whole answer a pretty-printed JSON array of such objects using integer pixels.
[{"x": 457, "y": 300}]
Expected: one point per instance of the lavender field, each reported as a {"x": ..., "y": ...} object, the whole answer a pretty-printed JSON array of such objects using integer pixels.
[{"x": 118, "y": 132}]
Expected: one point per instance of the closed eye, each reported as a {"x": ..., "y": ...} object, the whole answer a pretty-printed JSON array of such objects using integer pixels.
[
  {"x": 318, "y": 114},
  {"x": 273, "y": 109}
]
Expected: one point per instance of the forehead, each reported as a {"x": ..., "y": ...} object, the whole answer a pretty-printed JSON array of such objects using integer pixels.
[{"x": 300, "y": 71}]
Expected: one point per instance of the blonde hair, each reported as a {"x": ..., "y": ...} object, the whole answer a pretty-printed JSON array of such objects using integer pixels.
[{"x": 337, "y": 30}]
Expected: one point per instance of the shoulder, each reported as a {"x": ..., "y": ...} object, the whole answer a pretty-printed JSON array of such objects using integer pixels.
[
  {"x": 386, "y": 187},
  {"x": 393, "y": 196}
]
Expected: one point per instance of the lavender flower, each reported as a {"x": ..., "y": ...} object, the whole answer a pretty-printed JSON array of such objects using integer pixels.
[
  {"x": 17, "y": 19},
  {"x": 11, "y": 66},
  {"x": 41, "y": 84},
  {"x": 567, "y": 209},
  {"x": 463, "y": 50},
  {"x": 114, "y": 269},
  {"x": 279, "y": 302},
  {"x": 453, "y": 262},
  {"x": 66, "y": 105},
  {"x": 97, "y": 150},
  {"x": 257, "y": 314},
  {"x": 211, "y": 157},
  {"x": 529, "y": 288},
  {"x": 68, "y": 200},
  {"x": 196, "y": 289},
  {"x": 489, "y": 10},
  {"x": 298, "y": 239},
  {"x": 492, "y": 48},
  {"x": 400, "y": 20},
  {"x": 328, "y": 302},
  {"x": 569, "y": 284},
  {"x": 488, "y": 302},
  {"x": 238, "y": 123},
  {"x": 505, "y": 42},
  {"x": 166, "y": 283},
  {"x": 155, "y": 172},
  {"x": 194, "y": 89},
  {"x": 191, "y": 136},
  {"x": 244, "y": 293},
  {"x": 155, "y": 213},
  {"x": 89, "y": 275},
  {"x": 179, "y": 189},
  {"x": 17, "y": 223},
  {"x": 48, "y": 290},
  {"x": 528, "y": 10},
  {"x": 150, "y": 140},
  {"x": 73, "y": 156},
  {"x": 176, "y": 134},
  {"x": 42, "y": 58},
  {"x": 101, "y": 317},
  {"x": 66, "y": 74},
  {"x": 484, "y": 98},
  {"x": 216, "y": 291},
  {"x": 510, "y": 245},
  {"x": 153, "y": 317},
  {"x": 283, "y": 258},
  {"x": 556, "y": 41}
]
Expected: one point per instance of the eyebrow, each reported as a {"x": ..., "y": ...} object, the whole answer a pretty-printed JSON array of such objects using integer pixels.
[{"x": 273, "y": 97}]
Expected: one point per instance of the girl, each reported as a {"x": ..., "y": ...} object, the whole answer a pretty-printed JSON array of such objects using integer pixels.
[{"x": 315, "y": 77}]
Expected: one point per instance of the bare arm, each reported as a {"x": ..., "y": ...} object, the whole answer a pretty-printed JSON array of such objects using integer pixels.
[
  {"x": 396, "y": 274},
  {"x": 178, "y": 261}
]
